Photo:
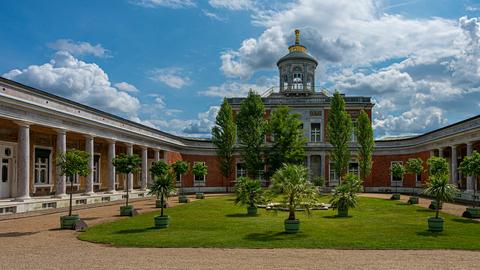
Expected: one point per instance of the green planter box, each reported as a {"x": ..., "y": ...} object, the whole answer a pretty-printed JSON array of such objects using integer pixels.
[
  {"x": 199, "y": 195},
  {"x": 292, "y": 226},
  {"x": 126, "y": 210},
  {"x": 435, "y": 224},
  {"x": 413, "y": 200},
  {"x": 395, "y": 196},
  {"x": 433, "y": 205},
  {"x": 343, "y": 212},
  {"x": 474, "y": 212},
  {"x": 183, "y": 199},
  {"x": 68, "y": 222},
  {"x": 252, "y": 211},
  {"x": 162, "y": 222},
  {"x": 158, "y": 204}
]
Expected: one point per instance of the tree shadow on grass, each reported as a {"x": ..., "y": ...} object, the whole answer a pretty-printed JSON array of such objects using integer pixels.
[
  {"x": 132, "y": 231},
  {"x": 402, "y": 203},
  {"x": 273, "y": 236},
  {"x": 240, "y": 215},
  {"x": 464, "y": 220},
  {"x": 425, "y": 210},
  {"x": 337, "y": 216},
  {"x": 428, "y": 233}
]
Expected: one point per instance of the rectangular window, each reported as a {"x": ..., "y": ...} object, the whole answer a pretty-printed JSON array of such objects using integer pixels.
[
  {"x": 241, "y": 171},
  {"x": 392, "y": 178},
  {"x": 96, "y": 169},
  {"x": 354, "y": 127},
  {"x": 333, "y": 174},
  {"x": 4, "y": 176},
  {"x": 353, "y": 168},
  {"x": 315, "y": 132},
  {"x": 199, "y": 178},
  {"x": 418, "y": 178},
  {"x": 42, "y": 166}
]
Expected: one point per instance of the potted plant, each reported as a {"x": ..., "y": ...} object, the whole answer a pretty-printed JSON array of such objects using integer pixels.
[
  {"x": 199, "y": 169},
  {"x": 71, "y": 163},
  {"x": 127, "y": 164},
  {"x": 397, "y": 170},
  {"x": 162, "y": 187},
  {"x": 249, "y": 192},
  {"x": 471, "y": 166},
  {"x": 291, "y": 182},
  {"x": 180, "y": 167},
  {"x": 414, "y": 166},
  {"x": 344, "y": 196},
  {"x": 437, "y": 166},
  {"x": 319, "y": 182},
  {"x": 158, "y": 169},
  {"x": 439, "y": 188}
]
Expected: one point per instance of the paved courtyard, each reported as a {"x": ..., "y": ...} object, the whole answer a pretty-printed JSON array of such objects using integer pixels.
[{"x": 36, "y": 243}]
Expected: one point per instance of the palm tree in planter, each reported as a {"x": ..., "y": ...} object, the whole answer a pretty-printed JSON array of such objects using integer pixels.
[
  {"x": 249, "y": 192},
  {"x": 439, "y": 188},
  {"x": 162, "y": 187},
  {"x": 414, "y": 166},
  {"x": 345, "y": 195},
  {"x": 158, "y": 169},
  {"x": 437, "y": 166},
  {"x": 397, "y": 170},
  {"x": 72, "y": 163},
  {"x": 199, "y": 169},
  {"x": 180, "y": 167},
  {"x": 127, "y": 164},
  {"x": 471, "y": 166},
  {"x": 291, "y": 181}
]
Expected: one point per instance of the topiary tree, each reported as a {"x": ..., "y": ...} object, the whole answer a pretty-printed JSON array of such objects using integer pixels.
[
  {"x": 398, "y": 171},
  {"x": 471, "y": 166},
  {"x": 159, "y": 168},
  {"x": 291, "y": 182},
  {"x": 339, "y": 130},
  {"x": 200, "y": 169},
  {"x": 249, "y": 192},
  {"x": 344, "y": 196},
  {"x": 414, "y": 166},
  {"x": 364, "y": 135},
  {"x": 437, "y": 166},
  {"x": 127, "y": 164},
  {"x": 180, "y": 167},
  {"x": 162, "y": 187},
  {"x": 71, "y": 163}
]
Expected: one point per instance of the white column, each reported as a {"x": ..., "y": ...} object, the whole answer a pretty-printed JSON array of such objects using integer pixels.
[
  {"x": 111, "y": 168},
  {"x": 440, "y": 152},
  {"x": 89, "y": 178},
  {"x": 130, "y": 175},
  {"x": 143, "y": 183},
  {"x": 156, "y": 154},
  {"x": 61, "y": 188},
  {"x": 470, "y": 184},
  {"x": 23, "y": 162},
  {"x": 454, "y": 175}
]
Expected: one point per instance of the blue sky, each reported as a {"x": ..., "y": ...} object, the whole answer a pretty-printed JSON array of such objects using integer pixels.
[{"x": 168, "y": 63}]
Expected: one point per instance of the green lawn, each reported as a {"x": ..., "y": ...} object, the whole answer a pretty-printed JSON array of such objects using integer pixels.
[{"x": 217, "y": 222}]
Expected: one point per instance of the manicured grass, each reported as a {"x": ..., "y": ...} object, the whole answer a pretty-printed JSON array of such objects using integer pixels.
[{"x": 217, "y": 222}]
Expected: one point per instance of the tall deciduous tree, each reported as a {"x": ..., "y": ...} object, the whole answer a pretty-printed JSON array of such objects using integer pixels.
[
  {"x": 251, "y": 132},
  {"x": 339, "y": 132},
  {"x": 223, "y": 137},
  {"x": 471, "y": 166},
  {"x": 127, "y": 164},
  {"x": 366, "y": 143},
  {"x": 289, "y": 140}
]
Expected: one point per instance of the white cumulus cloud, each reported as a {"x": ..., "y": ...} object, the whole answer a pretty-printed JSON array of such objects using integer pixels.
[
  {"x": 164, "y": 3},
  {"x": 79, "y": 48},
  {"x": 171, "y": 76}
]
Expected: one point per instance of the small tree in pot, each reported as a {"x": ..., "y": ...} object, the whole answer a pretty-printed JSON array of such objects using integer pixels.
[
  {"x": 439, "y": 188},
  {"x": 414, "y": 166},
  {"x": 162, "y": 188},
  {"x": 158, "y": 169},
  {"x": 199, "y": 169},
  {"x": 127, "y": 164},
  {"x": 72, "y": 163},
  {"x": 249, "y": 192},
  {"x": 397, "y": 170},
  {"x": 292, "y": 183},
  {"x": 345, "y": 195},
  {"x": 180, "y": 167},
  {"x": 471, "y": 166},
  {"x": 437, "y": 166}
]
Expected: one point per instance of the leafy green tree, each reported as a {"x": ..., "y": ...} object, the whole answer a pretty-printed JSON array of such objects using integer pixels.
[
  {"x": 339, "y": 130},
  {"x": 414, "y": 166},
  {"x": 439, "y": 188},
  {"x": 364, "y": 135},
  {"x": 179, "y": 167},
  {"x": 162, "y": 187},
  {"x": 223, "y": 137},
  {"x": 289, "y": 140},
  {"x": 251, "y": 128},
  {"x": 159, "y": 168},
  {"x": 292, "y": 183},
  {"x": 200, "y": 169},
  {"x": 471, "y": 166},
  {"x": 437, "y": 166},
  {"x": 127, "y": 164},
  {"x": 398, "y": 171},
  {"x": 71, "y": 163},
  {"x": 344, "y": 196},
  {"x": 248, "y": 192}
]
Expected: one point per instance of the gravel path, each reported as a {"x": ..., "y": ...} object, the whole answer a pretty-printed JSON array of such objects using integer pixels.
[{"x": 35, "y": 243}]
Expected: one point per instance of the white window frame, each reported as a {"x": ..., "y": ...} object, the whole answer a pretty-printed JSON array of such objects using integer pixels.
[
  {"x": 331, "y": 179},
  {"x": 353, "y": 137},
  {"x": 319, "y": 132},
  {"x": 49, "y": 172},
  {"x": 395, "y": 183},
  {"x": 358, "y": 167},
  {"x": 204, "y": 181},
  {"x": 243, "y": 171}
]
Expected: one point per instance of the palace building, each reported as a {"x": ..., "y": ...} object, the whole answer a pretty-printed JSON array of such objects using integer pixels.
[{"x": 36, "y": 126}]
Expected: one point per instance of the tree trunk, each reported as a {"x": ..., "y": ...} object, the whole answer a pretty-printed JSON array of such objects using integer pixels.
[
  {"x": 71, "y": 196},
  {"x": 161, "y": 211},
  {"x": 126, "y": 180},
  {"x": 438, "y": 208},
  {"x": 291, "y": 215}
]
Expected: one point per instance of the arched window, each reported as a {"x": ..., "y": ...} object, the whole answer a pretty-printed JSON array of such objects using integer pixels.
[{"x": 297, "y": 81}]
